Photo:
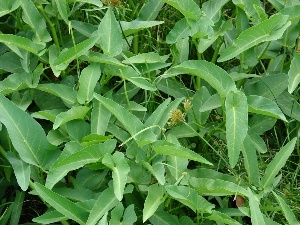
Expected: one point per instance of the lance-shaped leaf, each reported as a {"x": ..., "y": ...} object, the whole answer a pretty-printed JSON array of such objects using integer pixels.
[
  {"x": 99, "y": 118},
  {"x": 256, "y": 214},
  {"x": 105, "y": 202},
  {"x": 87, "y": 82},
  {"x": 214, "y": 75},
  {"x": 131, "y": 123},
  {"x": 268, "y": 30},
  {"x": 161, "y": 217},
  {"x": 157, "y": 170},
  {"x": 22, "y": 42},
  {"x": 62, "y": 9},
  {"x": 76, "y": 112},
  {"x": 111, "y": 40},
  {"x": 21, "y": 170},
  {"x": 8, "y": 6},
  {"x": 213, "y": 8},
  {"x": 150, "y": 10},
  {"x": 190, "y": 198},
  {"x": 101, "y": 58},
  {"x": 27, "y": 135},
  {"x": 264, "y": 106},
  {"x": 236, "y": 124},
  {"x": 35, "y": 20},
  {"x": 134, "y": 26},
  {"x": 62, "y": 91},
  {"x": 288, "y": 213},
  {"x": 120, "y": 170},
  {"x": 62, "y": 204},
  {"x": 180, "y": 30},
  {"x": 188, "y": 8},
  {"x": 153, "y": 200},
  {"x": 294, "y": 73},
  {"x": 49, "y": 217},
  {"x": 89, "y": 154},
  {"x": 222, "y": 218},
  {"x": 276, "y": 164},
  {"x": 167, "y": 148}
]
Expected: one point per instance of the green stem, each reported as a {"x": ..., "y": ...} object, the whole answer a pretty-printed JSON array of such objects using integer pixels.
[
  {"x": 216, "y": 52},
  {"x": 136, "y": 44}
]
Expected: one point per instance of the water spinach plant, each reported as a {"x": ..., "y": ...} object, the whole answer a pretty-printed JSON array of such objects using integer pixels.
[{"x": 149, "y": 112}]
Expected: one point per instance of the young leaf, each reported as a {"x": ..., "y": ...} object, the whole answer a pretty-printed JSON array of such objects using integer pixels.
[
  {"x": 294, "y": 73},
  {"x": 89, "y": 154},
  {"x": 276, "y": 164},
  {"x": 264, "y": 106},
  {"x": 87, "y": 82},
  {"x": 268, "y": 30},
  {"x": 214, "y": 75},
  {"x": 111, "y": 40},
  {"x": 188, "y": 8},
  {"x": 256, "y": 214},
  {"x": 8, "y": 6},
  {"x": 167, "y": 148},
  {"x": 288, "y": 213},
  {"x": 27, "y": 136},
  {"x": 153, "y": 200},
  {"x": 62, "y": 204},
  {"x": 35, "y": 20},
  {"x": 21, "y": 170},
  {"x": 106, "y": 201},
  {"x": 236, "y": 124},
  {"x": 120, "y": 170},
  {"x": 131, "y": 123},
  {"x": 76, "y": 112},
  {"x": 63, "y": 9}
]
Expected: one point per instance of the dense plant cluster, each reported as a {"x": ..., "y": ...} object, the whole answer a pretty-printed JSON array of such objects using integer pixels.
[{"x": 176, "y": 112}]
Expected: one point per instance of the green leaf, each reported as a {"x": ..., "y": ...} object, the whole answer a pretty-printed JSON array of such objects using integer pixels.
[
  {"x": 27, "y": 136},
  {"x": 21, "y": 170},
  {"x": 35, "y": 20},
  {"x": 247, "y": 6},
  {"x": 67, "y": 56},
  {"x": 212, "y": 103},
  {"x": 161, "y": 217},
  {"x": 15, "y": 82},
  {"x": 63, "y": 9},
  {"x": 216, "y": 187},
  {"x": 99, "y": 118},
  {"x": 61, "y": 204},
  {"x": 288, "y": 213},
  {"x": 22, "y": 42},
  {"x": 89, "y": 154},
  {"x": 8, "y": 6},
  {"x": 111, "y": 40},
  {"x": 66, "y": 93},
  {"x": 276, "y": 164},
  {"x": 292, "y": 12},
  {"x": 213, "y": 9},
  {"x": 134, "y": 26},
  {"x": 106, "y": 201},
  {"x": 258, "y": 142},
  {"x": 256, "y": 214},
  {"x": 17, "y": 208},
  {"x": 250, "y": 161},
  {"x": 101, "y": 58},
  {"x": 190, "y": 198},
  {"x": 120, "y": 170},
  {"x": 236, "y": 124},
  {"x": 149, "y": 57},
  {"x": 188, "y": 8},
  {"x": 131, "y": 123},
  {"x": 180, "y": 30},
  {"x": 87, "y": 82},
  {"x": 289, "y": 105},
  {"x": 264, "y": 106},
  {"x": 222, "y": 218},
  {"x": 167, "y": 148},
  {"x": 214, "y": 75},
  {"x": 268, "y": 30},
  {"x": 129, "y": 217},
  {"x": 47, "y": 114},
  {"x": 76, "y": 112},
  {"x": 153, "y": 200},
  {"x": 49, "y": 217},
  {"x": 150, "y": 10},
  {"x": 294, "y": 73}
]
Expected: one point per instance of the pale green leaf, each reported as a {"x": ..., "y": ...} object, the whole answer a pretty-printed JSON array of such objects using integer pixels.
[
  {"x": 99, "y": 118},
  {"x": 87, "y": 82},
  {"x": 62, "y": 204},
  {"x": 111, "y": 40},
  {"x": 150, "y": 10},
  {"x": 222, "y": 218},
  {"x": 49, "y": 217},
  {"x": 134, "y": 26},
  {"x": 35, "y": 20},
  {"x": 288, "y": 213},
  {"x": 153, "y": 200},
  {"x": 289, "y": 105},
  {"x": 180, "y": 30},
  {"x": 47, "y": 114},
  {"x": 167, "y": 148},
  {"x": 106, "y": 201},
  {"x": 236, "y": 124},
  {"x": 157, "y": 170},
  {"x": 294, "y": 73},
  {"x": 258, "y": 142},
  {"x": 213, "y": 9},
  {"x": 188, "y": 8},
  {"x": 15, "y": 82},
  {"x": 21, "y": 170},
  {"x": 27, "y": 136},
  {"x": 248, "y": 6},
  {"x": 256, "y": 214},
  {"x": 264, "y": 106},
  {"x": 268, "y": 30},
  {"x": 161, "y": 217},
  {"x": 76, "y": 112},
  {"x": 292, "y": 11},
  {"x": 214, "y": 75},
  {"x": 89, "y": 154},
  {"x": 212, "y": 103},
  {"x": 149, "y": 57},
  {"x": 129, "y": 217},
  {"x": 8, "y": 6},
  {"x": 276, "y": 164},
  {"x": 63, "y": 9},
  {"x": 101, "y": 58}
]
